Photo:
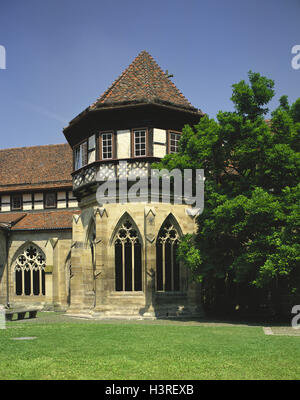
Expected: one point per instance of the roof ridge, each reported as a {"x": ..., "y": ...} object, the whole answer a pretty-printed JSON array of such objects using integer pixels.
[
  {"x": 34, "y": 147},
  {"x": 143, "y": 79},
  {"x": 116, "y": 81},
  {"x": 147, "y": 73},
  {"x": 168, "y": 79}
]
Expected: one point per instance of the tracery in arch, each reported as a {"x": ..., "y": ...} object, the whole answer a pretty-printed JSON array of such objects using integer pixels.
[
  {"x": 30, "y": 266},
  {"x": 167, "y": 266},
  {"x": 128, "y": 258}
]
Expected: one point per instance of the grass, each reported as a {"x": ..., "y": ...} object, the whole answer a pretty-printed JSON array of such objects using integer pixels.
[{"x": 66, "y": 348}]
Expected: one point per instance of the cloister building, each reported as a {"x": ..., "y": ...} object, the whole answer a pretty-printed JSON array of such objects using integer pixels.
[{"x": 62, "y": 248}]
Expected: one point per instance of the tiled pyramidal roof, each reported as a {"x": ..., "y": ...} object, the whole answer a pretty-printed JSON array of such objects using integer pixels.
[{"x": 143, "y": 82}]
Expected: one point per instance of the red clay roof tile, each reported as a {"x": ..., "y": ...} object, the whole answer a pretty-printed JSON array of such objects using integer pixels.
[
  {"x": 39, "y": 220},
  {"x": 35, "y": 167},
  {"x": 11, "y": 218},
  {"x": 143, "y": 81}
]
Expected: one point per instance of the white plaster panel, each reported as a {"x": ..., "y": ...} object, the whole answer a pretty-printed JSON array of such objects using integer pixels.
[
  {"x": 73, "y": 203},
  {"x": 27, "y": 206},
  {"x": 159, "y": 150},
  {"x": 38, "y": 196},
  {"x": 61, "y": 195},
  {"x": 159, "y": 136},
  {"x": 5, "y": 207},
  {"x": 61, "y": 200},
  {"x": 72, "y": 200},
  {"x": 38, "y": 201}
]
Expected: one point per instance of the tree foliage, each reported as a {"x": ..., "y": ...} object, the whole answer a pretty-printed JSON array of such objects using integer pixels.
[{"x": 248, "y": 233}]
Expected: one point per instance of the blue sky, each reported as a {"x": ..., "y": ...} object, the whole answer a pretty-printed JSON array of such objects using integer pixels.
[{"x": 63, "y": 54}]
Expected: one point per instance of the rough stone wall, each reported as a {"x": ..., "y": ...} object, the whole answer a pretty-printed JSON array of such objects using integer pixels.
[
  {"x": 56, "y": 246},
  {"x": 93, "y": 286},
  {"x": 2, "y": 267}
]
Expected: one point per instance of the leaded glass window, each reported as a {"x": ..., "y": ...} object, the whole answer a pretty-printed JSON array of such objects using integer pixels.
[
  {"x": 167, "y": 266},
  {"x": 30, "y": 272},
  {"x": 128, "y": 259}
]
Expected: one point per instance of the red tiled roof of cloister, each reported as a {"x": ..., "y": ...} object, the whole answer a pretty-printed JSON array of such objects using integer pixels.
[
  {"x": 39, "y": 220},
  {"x": 143, "y": 81},
  {"x": 11, "y": 218},
  {"x": 38, "y": 167}
]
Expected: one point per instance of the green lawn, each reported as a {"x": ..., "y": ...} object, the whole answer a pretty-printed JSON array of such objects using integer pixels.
[{"x": 78, "y": 349}]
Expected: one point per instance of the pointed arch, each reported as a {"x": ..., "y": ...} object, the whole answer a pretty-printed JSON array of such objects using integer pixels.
[
  {"x": 127, "y": 242},
  {"x": 29, "y": 264},
  {"x": 122, "y": 219},
  {"x": 167, "y": 266},
  {"x": 172, "y": 220}
]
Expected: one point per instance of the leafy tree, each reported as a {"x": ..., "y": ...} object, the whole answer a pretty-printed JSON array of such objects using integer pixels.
[{"x": 247, "y": 244}]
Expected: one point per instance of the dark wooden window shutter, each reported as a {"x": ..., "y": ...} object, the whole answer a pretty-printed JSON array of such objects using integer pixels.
[
  {"x": 100, "y": 147},
  {"x": 84, "y": 154}
]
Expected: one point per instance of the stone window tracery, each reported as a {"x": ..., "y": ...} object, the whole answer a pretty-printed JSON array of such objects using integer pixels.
[
  {"x": 30, "y": 272},
  {"x": 128, "y": 258},
  {"x": 168, "y": 273}
]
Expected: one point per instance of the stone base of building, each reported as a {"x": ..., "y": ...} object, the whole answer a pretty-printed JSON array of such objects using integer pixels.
[{"x": 137, "y": 313}]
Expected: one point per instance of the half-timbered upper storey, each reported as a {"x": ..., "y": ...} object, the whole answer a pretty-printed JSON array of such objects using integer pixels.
[
  {"x": 138, "y": 119},
  {"x": 34, "y": 179}
]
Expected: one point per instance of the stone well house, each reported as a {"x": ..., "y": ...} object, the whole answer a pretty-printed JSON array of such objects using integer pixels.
[{"x": 67, "y": 249}]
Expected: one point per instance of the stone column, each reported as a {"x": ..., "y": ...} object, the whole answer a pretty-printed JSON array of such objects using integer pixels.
[
  {"x": 104, "y": 272},
  {"x": 3, "y": 268},
  {"x": 76, "y": 281},
  {"x": 55, "y": 276},
  {"x": 150, "y": 261}
]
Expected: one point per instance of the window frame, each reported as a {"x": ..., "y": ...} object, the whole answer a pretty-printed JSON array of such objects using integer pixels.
[
  {"x": 83, "y": 147},
  {"x": 164, "y": 283},
  {"x": 102, "y": 146},
  {"x": 135, "y": 264},
  {"x": 55, "y": 200},
  {"x": 21, "y": 202},
  {"x": 170, "y": 132},
  {"x": 36, "y": 267},
  {"x": 91, "y": 149},
  {"x": 133, "y": 149}
]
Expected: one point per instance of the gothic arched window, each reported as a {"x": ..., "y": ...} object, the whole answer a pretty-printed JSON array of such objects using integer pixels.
[
  {"x": 30, "y": 272},
  {"x": 128, "y": 259},
  {"x": 167, "y": 266}
]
